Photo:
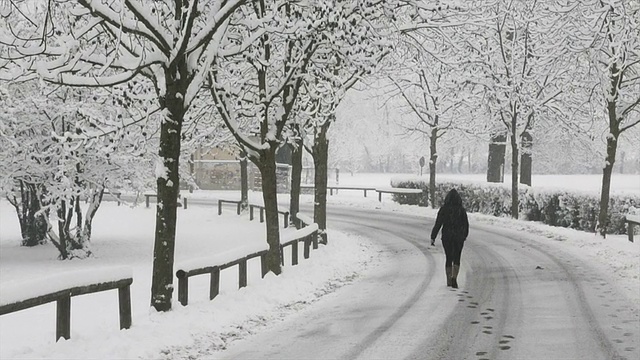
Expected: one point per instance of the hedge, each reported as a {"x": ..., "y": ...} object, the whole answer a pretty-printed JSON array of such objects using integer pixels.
[{"x": 553, "y": 207}]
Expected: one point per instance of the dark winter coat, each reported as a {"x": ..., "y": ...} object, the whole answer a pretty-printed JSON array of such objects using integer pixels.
[{"x": 452, "y": 218}]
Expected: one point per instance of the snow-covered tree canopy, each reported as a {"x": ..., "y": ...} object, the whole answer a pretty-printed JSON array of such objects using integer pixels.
[{"x": 304, "y": 49}]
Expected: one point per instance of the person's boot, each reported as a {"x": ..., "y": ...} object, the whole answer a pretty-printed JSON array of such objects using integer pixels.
[
  {"x": 448, "y": 270},
  {"x": 454, "y": 276}
]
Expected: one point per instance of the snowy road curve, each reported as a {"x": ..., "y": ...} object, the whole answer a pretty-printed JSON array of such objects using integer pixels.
[{"x": 519, "y": 299}]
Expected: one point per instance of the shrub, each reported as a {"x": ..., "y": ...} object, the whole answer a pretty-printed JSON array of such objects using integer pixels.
[{"x": 553, "y": 207}]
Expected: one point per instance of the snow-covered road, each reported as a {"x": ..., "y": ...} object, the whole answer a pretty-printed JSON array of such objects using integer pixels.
[{"x": 519, "y": 299}]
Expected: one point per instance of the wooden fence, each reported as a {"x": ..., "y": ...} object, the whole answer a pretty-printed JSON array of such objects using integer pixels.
[
  {"x": 212, "y": 266},
  {"x": 285, "y": 214},
  {"x": 62, "y": 296}
]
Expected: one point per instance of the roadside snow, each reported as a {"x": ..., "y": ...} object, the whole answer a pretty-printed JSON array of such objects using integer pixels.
[
  {"x": 123, "y": 236},
  {"x": 615, "y": 255}
]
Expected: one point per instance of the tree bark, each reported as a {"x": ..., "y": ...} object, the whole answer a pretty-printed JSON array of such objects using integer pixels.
[
  {"x": 525, "y": 159},
  {"x": 495, "y": 166},
  {"x": 433, "y": 158},
  {"x": 296, "y": 179},
  {"x": 33, "y": 226},
  {"x": 94, "y": 204},
  {"x": 603, "y": 216},
  {"x": 612, "y": 146},
  {"x": 320, "y": 159},
  {"x": 244, "y": 182},
  {"x": 267, "y": 166},
  {"x": 168, "y": 181},
  {"x": 515, "y": 158}
]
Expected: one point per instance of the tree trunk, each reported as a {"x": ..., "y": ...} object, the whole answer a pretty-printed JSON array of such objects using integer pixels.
[
  {"x": 63, "y": 233},
  {"x": 451, "y": 160},
  {"x": 612, "y": 147},
  {"x": 296, "y": 179},
  {"x": 33, "y": 225},
  {"x": 603, "y": 217},
  {"x": 168, "y": 181},
  {"x": 525, "y": 158},
  {"x": 267, "y": 166},
  {"x": 244, "y": 182},
  {"x": 495, "y": 166},
  {"x": 94, "y": 204},
  {"x": 320, "y": 158},
  {"x": 433, "y": 158},
  {"x": 515, "y": 158}
]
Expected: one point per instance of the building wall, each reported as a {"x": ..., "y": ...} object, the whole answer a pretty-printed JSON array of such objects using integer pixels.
[{"x": 219, "y": 169}]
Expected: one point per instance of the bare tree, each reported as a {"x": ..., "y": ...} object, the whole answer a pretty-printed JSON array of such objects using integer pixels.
[
  {"x": 427, "y": 82},
  {"x": 611, "y": 34},
  {"x": 91, "y": 43},
  {"x": 521, "y": 60},
  {"x": 47, "y": 159}
]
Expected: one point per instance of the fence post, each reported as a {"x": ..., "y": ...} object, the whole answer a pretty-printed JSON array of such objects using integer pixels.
[
  {"x": 219, "y": 207},
  {"x": 63, "y": 318},
  {"x": 307, "y": 245},
  {"x": 250, "y": 212},
  {"x": 281, "y": 255},
  {"x": 263, "y": 264},
  {"x": 183, "y": 290},
  {"x": 242, "y": 273},
  {"x": 239, "y": 206},
  {"x": 214, "y": 285},
  {"x": 315, "y": 239},
  {"x": 185, "y": 203},
  {"x": 294, "y": 253},
  {"x": 124, "y": 297}
]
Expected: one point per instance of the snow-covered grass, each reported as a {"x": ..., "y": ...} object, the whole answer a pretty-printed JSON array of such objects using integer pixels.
[{"x": 123, "y": 236}]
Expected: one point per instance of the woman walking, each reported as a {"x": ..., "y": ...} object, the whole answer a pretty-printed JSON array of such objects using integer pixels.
[{"x": 452, "y": 218}]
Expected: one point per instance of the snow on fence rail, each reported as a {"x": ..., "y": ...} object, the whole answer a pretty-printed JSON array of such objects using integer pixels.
[
  {"x": 212, "y": 265},
  {"x": 285, "y": 214},
  {"x": 303, "y": 220},
  {"x": 61, "y": 288},
  {"x": 397, "y": 191}
]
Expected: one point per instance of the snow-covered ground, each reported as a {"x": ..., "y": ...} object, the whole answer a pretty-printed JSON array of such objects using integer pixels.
[{"x": 123, "y": 236}]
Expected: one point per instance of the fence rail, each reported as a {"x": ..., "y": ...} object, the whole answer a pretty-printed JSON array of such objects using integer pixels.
[
  {"x": 237, "y": 202},
  {"x": 212, "y": 266},
  {"x": 184, "y": 203},
  {"x": 63, "y": 303},
  {"x": 285, "y": 214}
]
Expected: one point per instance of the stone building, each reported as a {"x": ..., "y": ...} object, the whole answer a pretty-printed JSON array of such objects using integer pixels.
[{"x": 219, "y": 169}]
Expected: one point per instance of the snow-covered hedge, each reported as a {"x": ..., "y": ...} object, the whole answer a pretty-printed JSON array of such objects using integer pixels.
[{"x": 554, "y": 207}]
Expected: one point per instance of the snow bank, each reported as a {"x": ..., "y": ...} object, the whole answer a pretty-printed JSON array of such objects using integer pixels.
[
  {"x": 16, "y": 291},
  {"x": 124, "y": 236},
  {"x": 299, "y": 234},
  {"x": 225, "y": 257}
]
